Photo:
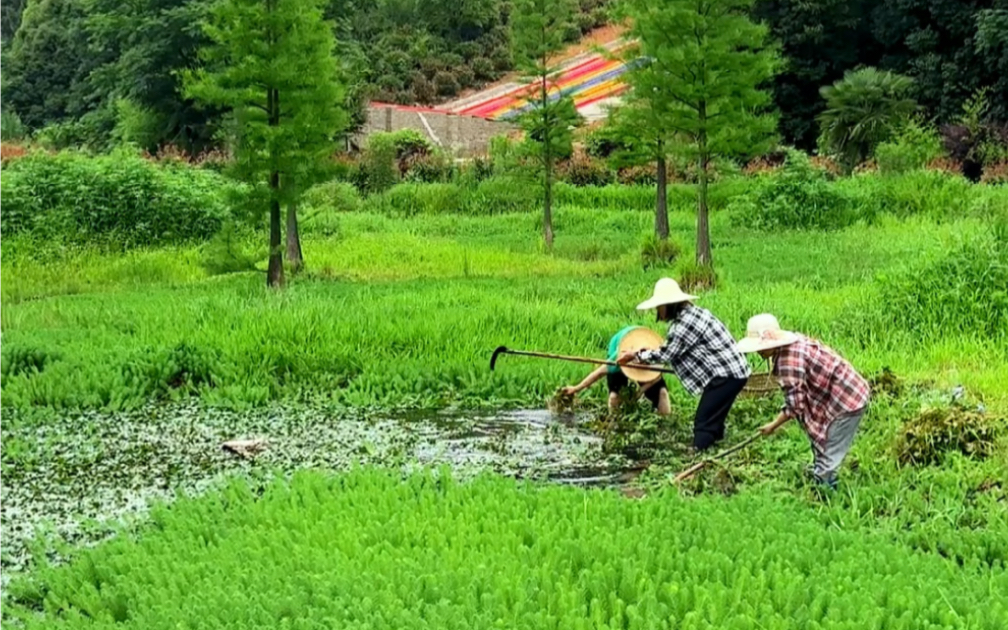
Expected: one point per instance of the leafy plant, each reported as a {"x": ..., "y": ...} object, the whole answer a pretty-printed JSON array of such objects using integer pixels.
[{"x": 862, "y": 110}]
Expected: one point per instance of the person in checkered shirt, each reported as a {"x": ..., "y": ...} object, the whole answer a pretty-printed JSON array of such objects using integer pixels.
[
  {"x": 703, "y": 355},
  {"x": 821, "y": 390}
]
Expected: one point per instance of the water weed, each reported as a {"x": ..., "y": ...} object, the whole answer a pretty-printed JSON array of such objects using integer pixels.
[{"x": 434, "y": 551}]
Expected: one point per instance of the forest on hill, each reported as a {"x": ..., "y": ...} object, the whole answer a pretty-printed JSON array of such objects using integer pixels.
[{"x": 81, "y": 71}]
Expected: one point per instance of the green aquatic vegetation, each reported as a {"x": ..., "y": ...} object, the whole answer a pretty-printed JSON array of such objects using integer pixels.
[{"x": 370, "y": 548}]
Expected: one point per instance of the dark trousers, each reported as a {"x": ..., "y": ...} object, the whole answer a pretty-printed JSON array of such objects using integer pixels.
[{"x": 715, "y": 403}]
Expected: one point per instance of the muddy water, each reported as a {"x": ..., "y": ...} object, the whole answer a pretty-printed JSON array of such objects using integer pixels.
[{"x": 75, "y": 481}]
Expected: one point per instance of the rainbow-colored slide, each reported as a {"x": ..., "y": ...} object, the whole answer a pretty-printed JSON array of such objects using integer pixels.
[{"x": 588, "y": 81}]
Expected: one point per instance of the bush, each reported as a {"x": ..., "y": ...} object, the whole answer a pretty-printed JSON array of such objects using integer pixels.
[
  {"x": 914, "y": 147},
  {"x": 446, "y": 83},
  {"x": 378, "y": 168},
  {"x": 638, "y": 175},
  {"x": 11, "y": 127},
  {"x": 120, "y": 198},
  {"x": 432, "y": 168},
  {"x": 797, "y": 196},
  {"x": 337, "y": 195},
  {"x": 582, "y": 170},
  {"x": 483, "y": 69}
]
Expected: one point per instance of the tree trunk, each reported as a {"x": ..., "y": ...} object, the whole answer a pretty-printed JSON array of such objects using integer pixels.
[
  {"x": 294, "y": 257},
  {"x": 275, "y": 272},
  {"x": 703, "y": 250},
  {"x": 661, "y": 226},
  {"x": 548, "y": 169}
]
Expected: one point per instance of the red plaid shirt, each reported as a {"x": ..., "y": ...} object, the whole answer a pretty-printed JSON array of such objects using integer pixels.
[{"x": 819, "y": 386}]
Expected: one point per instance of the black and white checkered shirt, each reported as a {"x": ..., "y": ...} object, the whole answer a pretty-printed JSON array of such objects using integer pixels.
[{"x": 699, "y": 348}]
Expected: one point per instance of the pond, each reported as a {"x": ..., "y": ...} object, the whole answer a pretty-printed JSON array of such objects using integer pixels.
[{"x": 78, "y": 480}]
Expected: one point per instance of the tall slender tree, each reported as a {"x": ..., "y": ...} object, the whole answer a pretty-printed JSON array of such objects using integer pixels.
[
  {"x": 707, "y": 65},
  {"x": 539, "y": 28},
  {"x": 270, "y": 64}
]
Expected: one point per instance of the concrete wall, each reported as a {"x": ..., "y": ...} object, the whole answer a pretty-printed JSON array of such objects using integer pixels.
[{"x": 464, "y": 135}]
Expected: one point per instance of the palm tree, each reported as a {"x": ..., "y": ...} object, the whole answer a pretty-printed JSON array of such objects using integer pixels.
[{"x": 862, "y": 110}]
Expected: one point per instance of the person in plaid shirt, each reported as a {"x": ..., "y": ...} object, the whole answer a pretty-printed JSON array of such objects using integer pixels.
[
  {"x": 821, "y": 390},
  {"x": 703, "y": 354}
]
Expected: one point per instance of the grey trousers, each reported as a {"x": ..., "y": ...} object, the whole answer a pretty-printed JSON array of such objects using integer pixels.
[{"x": 839, "y": 439}]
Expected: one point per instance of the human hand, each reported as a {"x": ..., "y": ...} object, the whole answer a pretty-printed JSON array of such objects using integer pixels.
[
  {"x": 569, "y": 390},
  {"x": 626, "y": 357},
  {"x": 768, "y": 428}
]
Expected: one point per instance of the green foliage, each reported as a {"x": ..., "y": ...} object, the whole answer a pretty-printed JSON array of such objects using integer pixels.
[
  {"x": 862, "y": 110},
  {"x": 284, "y": 96},
  {"x": 561, "y": 565},
  {"x": 136, "y": 126},
  {"x": 798, "y": 197},
  {"x": 702, "y": 83},
  {"x": 912, "y": 147},
  {"x": 26, "y": 360},
  {"x": 538, "y": 31},
  {"x": 120, "y": 199},
  {"x": 11, "y": 127}
]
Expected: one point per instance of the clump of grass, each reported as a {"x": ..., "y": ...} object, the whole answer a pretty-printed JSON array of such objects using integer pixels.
[
  {"x": 929, "y": 437},
  {"x": 696, "y": 278},
  {"x": 561, "y": 403},
  {"x": 659, "y": 253}
]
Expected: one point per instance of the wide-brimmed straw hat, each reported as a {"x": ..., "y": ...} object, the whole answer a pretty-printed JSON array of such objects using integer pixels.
[
  {"x": 764, "y": 333},
  {"x": 666, "y": 291},
  {"x": 640, "y": 339}
]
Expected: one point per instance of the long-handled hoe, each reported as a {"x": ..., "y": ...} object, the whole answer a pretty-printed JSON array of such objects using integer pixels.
[{"x": 695, "y": 468}]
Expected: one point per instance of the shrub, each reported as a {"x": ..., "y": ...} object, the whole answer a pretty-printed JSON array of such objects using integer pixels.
[
  {"x": 659, "y": 253},
  {"x": 913, "y": 147},
  {"x": 446, "y": 83},
  {"x": 483, "y": 69},
  {"x": 118, "y": 198},
  {"x": 638, "y": 175},
  {"x": 378, "y": 168},
  {"x": 863, "y": 109},
  {"x": 582, "y": 170},
  {"x": 432, "y": 168},
  {"x": 338, "y": 195},
  {"x": 798, "y": 196},
  {"x": 11, "y": 127}
]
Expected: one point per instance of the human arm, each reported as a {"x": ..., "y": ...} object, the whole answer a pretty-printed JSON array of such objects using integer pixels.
[
  {"x": 588, "y": 381},
  {"x": 770, "y": 427},
  {"x": 791, "y": 372}
]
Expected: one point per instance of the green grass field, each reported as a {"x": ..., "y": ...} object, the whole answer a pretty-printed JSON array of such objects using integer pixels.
[{"x": 404, "y": 311}]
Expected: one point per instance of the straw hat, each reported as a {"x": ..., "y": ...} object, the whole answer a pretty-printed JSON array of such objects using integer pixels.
[
  {"x": 764, "y": 333},
  {"x": 666, "y": 291},
  {"x": 640, "y": 339}
]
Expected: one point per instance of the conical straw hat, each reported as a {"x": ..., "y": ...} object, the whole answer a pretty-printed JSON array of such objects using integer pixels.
[{"x": 640, "y": 338}]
